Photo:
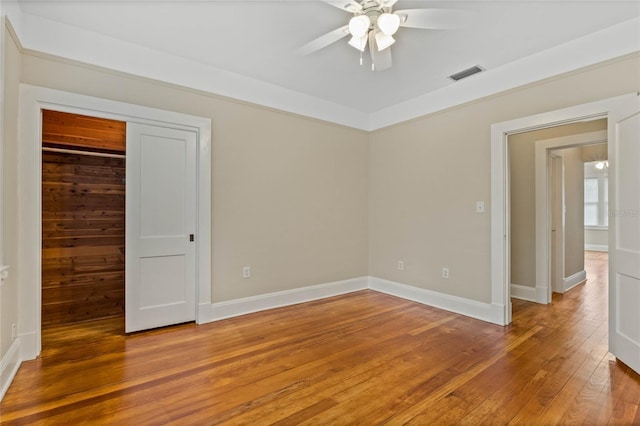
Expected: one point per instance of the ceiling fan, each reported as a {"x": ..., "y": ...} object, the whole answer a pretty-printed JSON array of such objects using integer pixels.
[{"x": 374, "y": 23}]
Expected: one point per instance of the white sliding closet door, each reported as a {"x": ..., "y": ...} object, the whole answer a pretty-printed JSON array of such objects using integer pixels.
[{"x": 160, "y": 276}]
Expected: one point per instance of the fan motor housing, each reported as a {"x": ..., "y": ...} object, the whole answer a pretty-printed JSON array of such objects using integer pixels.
[{"x": 371, "y": 8}]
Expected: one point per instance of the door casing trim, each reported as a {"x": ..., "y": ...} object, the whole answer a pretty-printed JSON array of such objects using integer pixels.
[
  {"x": 543, "y": 149},
  {"x": 33, "y": 100},
  {"x": 500, "y": 203}
]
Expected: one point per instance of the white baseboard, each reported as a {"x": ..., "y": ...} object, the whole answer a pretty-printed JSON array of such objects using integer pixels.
[
  {"x": 537, "y": 294},
  {"x": 470, "y": 308},
  {"x": 9, "y": 367},
  {"x": 575, "y": 279},
  {"x": 28, "y": 346},
  {"x": 523, "y": 292},
  {"x": 209, "y": 312},
  {"x": 596, "y": 247}
]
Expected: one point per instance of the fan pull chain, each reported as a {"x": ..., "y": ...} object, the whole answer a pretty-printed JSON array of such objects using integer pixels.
[{"x": 360, "y": 58}]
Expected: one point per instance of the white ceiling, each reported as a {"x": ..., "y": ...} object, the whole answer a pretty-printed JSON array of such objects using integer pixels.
[{"x": 258, "y": 38}]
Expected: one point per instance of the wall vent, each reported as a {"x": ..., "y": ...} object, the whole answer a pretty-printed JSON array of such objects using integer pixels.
[{"x": 466, "y": 73}]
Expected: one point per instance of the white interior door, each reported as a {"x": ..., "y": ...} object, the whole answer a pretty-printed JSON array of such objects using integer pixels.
[
  {"x": 160, "y": 279},
  {"x": 624, "y": 234}
]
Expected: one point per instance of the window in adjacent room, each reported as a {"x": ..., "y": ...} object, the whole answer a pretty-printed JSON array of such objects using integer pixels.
[{"x": 596, "y": 203}]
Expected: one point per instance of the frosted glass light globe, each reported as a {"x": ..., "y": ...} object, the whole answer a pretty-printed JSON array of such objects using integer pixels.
[
  {"x": 359, "y": 26},
  {"x": 388, "y": 23}
]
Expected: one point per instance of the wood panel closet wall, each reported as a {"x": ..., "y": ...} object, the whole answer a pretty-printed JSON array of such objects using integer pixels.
[{"x": 83, "y": 218}]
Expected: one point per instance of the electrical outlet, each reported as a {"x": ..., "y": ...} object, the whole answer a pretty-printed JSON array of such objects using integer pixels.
[
  {"x": 14, "y": 332},
  {"x": 400, "y": 265},
  {"x": 479, "y": 206},
  {"x": 445, "y": 273},
  {"x": 246, "y": 272}
]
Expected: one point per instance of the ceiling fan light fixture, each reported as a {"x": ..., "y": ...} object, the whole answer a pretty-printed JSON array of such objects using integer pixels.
[
  {"x": 358, "y": 42},
  {"x": 388, "y": 23},
  {"x": 373, "y": 23},
  {"x": 359, "y": 26},
  {"x": 383, "y": 41}
]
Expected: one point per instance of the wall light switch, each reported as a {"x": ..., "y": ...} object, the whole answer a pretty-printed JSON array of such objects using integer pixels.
[{"x": 479, "y": 206}]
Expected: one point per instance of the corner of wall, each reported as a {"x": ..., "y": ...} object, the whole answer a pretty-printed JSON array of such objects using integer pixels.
[
  {"x": 574, "y": 280},
  {"x": 471, "y": 308}
]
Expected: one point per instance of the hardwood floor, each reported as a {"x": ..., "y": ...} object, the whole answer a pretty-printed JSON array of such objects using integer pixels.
[{"x": 361, "y": 358}]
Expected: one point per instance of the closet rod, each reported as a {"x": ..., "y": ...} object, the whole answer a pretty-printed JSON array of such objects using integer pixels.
[{"x": 90, "y": 153}]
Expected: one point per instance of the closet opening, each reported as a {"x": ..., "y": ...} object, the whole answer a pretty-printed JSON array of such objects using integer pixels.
[{"x": 83, "y": 226}]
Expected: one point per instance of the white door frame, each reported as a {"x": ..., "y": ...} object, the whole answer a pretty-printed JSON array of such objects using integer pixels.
[
  {"x": 556, "y": 209},
  {"x": 33, "y": 100},
  {"x": 543, "y": 204},
  {"x": 500, "y": 214}
]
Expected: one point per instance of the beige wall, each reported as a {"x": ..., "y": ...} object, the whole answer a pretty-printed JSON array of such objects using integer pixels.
[
  {"x": 425, "y": 176},
  {"x": 597, "y": 152},
  {"x": 523, "y": 199},
  {"x": 289, "y": 194},
  {"x": 9, "y": 290},
  {"x": 574, "y": 210}
]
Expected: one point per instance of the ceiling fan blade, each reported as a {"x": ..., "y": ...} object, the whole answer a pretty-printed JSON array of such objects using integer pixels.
[
  {"x": 380, "y": 59},
  {"x": 436, "y": 19},
  {"x": 350, "y": 6},
  {"x": 388, "y": 3},
  {"x": 323, "y": 41}
]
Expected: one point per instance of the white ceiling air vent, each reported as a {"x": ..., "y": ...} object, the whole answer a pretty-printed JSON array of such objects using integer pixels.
[{"x": 466, "y": 73}]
